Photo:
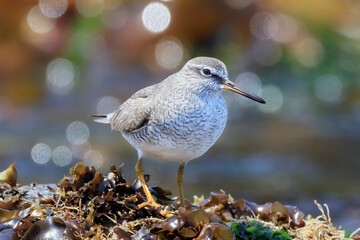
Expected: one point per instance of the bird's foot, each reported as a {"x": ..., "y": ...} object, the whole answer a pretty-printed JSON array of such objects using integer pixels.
[
  {"x": 156, "y": 206},
  {"x": 150, "y": 204}
]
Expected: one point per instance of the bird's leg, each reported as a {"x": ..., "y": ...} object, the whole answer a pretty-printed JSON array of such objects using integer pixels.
[
  {"x": 180, "y": 181},
  {"x": 150, "y": 200},
  {"x": 140, "y": 174}
]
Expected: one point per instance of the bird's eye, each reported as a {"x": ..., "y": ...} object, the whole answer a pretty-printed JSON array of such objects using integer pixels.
[{"x": 206, "y": 71}]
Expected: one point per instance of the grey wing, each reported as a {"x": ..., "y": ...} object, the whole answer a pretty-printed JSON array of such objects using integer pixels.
[
  {"x": 145, "y": 92},
  {"x": 134, "y": 113}
]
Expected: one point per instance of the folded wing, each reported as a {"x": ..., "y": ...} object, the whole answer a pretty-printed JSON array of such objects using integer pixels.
[{"x": 134, "y": 113}]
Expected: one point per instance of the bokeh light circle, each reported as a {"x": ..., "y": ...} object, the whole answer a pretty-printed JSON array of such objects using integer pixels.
[
  {"x": 262, "y": 24},
  {"x": 328, "y": 88},
  {"x": 251, "y": 83},
  {"x": 62, "y": 156},
  {"x": 309, "y": 52},
  {"x": 156, "y": 17},
  {"x": 285, "y": 30},
  {"x": 41, "y": 153},
  {"x": 79, "y": 151},
  {"x": 107, "y": 104},
  {"x": 93, "y": 158},
  {"x": 77, "y": 132},
  {"x": 273, "y": 97},
  {"x": 169, "y": 53},
  {"x": 38, "y": 22},
  {"x": 53, "y": 8},
  {"x": 60, "y": 75}
]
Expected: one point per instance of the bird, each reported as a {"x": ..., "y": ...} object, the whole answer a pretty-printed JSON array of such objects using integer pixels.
[{"x": 177, "y": 119}]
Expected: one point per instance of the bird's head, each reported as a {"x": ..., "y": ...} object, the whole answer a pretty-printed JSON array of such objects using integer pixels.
[{"x": 213, "y": 75}]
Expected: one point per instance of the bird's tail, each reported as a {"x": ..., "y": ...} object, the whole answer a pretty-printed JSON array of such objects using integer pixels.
[{"x": 102, "y": 118}]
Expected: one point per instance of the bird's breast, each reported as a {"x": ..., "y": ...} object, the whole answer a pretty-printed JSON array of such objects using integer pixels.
[{"x": 183, "y": 130}]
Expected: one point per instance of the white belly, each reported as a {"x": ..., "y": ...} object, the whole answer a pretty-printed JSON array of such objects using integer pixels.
[{"x": 167, "y": 153}]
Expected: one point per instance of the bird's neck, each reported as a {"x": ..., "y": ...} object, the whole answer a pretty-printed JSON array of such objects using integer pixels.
[{"x": 207, "y": 93}]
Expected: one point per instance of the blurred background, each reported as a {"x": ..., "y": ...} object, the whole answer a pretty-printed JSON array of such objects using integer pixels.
[{"x": 62, "y": 60}]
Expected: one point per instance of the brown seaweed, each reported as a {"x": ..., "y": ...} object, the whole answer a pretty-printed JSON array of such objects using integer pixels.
[{"x": 88, "y": 205}]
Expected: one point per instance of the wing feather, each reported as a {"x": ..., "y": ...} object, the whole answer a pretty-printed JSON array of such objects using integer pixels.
[{"x": 134, "y": 113}]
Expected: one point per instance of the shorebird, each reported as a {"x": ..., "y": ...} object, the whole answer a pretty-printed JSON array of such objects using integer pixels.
[{"x": 178, "y": 119}]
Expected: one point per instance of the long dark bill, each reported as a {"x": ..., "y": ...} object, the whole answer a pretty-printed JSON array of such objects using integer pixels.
[{"x": 229, "y": 85}]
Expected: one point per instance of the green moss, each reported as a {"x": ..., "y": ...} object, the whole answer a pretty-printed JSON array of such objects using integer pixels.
[{"x": 253, "y": 230}]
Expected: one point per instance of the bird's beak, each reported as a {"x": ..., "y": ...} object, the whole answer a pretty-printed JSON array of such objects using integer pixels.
[{"x": 229, "y": 85}]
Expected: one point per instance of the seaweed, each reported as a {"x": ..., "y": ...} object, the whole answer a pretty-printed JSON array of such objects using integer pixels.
[{"x": 87, "y": 204}]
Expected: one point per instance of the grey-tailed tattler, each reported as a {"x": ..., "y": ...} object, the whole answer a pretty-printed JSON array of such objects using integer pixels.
[{"x": 178, "y": 119}]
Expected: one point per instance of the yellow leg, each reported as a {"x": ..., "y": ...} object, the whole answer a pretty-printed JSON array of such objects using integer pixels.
[
  {"x": 140, "y": 174},
  {"x": 180, "y": 181},
  {"x": 150, "y": 200}
]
